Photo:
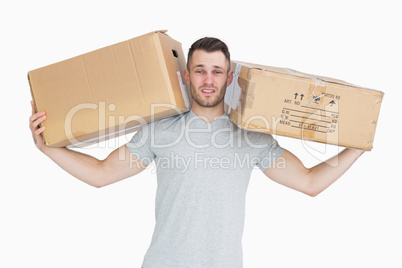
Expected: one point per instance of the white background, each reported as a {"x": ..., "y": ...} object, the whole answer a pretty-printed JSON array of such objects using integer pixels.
[{"x": 50, "y": 219}]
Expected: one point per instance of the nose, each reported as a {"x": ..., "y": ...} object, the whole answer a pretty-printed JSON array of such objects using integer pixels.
[{"x": 208, "y": 79}]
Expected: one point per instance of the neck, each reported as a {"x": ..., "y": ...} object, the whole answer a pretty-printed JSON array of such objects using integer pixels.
[{"x": 208, "y": 114}]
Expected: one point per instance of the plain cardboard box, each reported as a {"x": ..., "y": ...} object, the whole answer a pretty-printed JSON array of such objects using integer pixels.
[
  {"x": 290, "y": 103},
  {"x": 110, "y": 91}
]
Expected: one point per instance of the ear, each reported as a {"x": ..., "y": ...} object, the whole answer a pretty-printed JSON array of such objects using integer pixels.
[
  {"x": 186, "y": 76},
  {"x": 230, "y": 78}
]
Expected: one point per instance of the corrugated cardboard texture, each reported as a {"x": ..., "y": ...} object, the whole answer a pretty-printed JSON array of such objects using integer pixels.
[
  {"x": 294, "y": 104},
  {"x": 109, "y": 89}
]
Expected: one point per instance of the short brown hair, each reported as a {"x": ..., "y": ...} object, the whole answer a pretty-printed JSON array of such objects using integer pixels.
[{"x": 208, "y": 44}]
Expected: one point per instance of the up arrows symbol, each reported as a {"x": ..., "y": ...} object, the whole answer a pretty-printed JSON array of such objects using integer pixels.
[{"x": 301, "y": 96}]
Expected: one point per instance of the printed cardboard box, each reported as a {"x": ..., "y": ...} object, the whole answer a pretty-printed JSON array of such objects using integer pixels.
[{"x": 290, "y": 103}]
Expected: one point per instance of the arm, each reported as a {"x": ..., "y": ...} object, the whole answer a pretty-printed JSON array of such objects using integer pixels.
[
  {"x": 120, "y": 164},
  {"x": 311, "y": 181}
]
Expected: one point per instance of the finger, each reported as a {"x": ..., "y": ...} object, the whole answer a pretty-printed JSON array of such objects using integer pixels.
[
  {"x": 33, "y": 108},
  {"x": 38, "y": 121},
  {"x": 35, "y": 116},
  {"x": 39, "y": 131}
]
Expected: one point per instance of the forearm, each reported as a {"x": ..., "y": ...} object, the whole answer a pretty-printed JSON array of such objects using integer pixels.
[
  {"x": 84, "y": 167},
  {"x": 326, "y": 173}
]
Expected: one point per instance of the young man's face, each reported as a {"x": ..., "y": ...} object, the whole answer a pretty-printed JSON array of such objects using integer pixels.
[{"x": 208, "y": 78}]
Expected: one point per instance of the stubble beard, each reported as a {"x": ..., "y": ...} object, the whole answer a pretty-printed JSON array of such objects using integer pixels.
[{"x": 207, "y": 103}]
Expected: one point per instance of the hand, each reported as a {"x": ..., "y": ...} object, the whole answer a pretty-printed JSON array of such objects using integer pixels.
[{"x": 34, "y": 121}]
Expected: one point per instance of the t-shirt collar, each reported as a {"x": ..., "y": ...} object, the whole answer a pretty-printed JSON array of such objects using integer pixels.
[{"x": 220, "y": 121}]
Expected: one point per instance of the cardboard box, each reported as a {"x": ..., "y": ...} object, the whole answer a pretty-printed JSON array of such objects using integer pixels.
[
  {"x": 110, "y": 91},
  {"x": 304, "y": 106}
]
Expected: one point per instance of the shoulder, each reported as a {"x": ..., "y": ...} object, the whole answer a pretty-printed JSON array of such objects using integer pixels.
[
  {"x": 158, "y": 128},
  {"x": 254, "y": 137},
  {"x": 164, "y": 126},
  {"x": 166, "y": 123}
]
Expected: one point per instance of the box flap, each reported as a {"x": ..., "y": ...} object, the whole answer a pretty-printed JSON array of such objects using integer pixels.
[{"x": 288, "y": 71}]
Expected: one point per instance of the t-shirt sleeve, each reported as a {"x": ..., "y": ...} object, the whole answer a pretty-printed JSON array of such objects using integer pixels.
[
  {"x": 269, "y": 153},
  {"x": 140, "y": 145}
]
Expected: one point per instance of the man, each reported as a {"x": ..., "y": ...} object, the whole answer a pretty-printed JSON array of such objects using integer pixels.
[{"x": 203, "y": 164}]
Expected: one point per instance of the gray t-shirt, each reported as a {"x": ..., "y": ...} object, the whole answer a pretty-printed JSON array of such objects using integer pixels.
[{"x": 203, "y": 171}]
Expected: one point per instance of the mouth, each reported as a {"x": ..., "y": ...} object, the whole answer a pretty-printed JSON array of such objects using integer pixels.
[{"x": 208, "y": 91}]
